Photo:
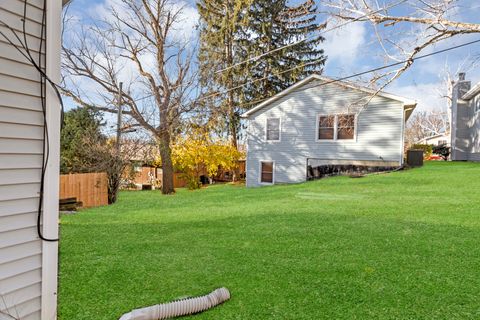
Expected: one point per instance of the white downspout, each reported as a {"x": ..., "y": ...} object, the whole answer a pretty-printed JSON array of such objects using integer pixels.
[{"x": 51, "y": 191}]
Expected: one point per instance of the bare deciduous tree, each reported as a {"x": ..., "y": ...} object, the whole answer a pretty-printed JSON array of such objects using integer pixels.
[
  {"x": 137, "y": 44},
  {"x": 424, "y": 124},
  {"x": 449, "y": 77},
  {"x": 402, "y": 37},
  {"x": 103, "y": 156}
]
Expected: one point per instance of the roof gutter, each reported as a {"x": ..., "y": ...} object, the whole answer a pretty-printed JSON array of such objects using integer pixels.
[
  {"x": 408, "y": 109},
  {"x": 472, "y": 92},
  {"x": 407, "y": 102}
]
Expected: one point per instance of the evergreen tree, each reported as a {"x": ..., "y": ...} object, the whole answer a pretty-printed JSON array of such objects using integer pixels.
[
  {"x": 274, "y": 24},
  {"x": 222, "y": 28},
  {"x": 79, "y": 124},
  {"x": 232, "y": 31}
]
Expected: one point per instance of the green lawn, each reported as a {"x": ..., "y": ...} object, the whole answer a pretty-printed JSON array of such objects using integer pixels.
[{"x": 403, "y": 245}]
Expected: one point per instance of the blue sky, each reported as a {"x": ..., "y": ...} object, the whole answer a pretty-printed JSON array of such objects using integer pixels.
[{"x": 355, "y": 48}]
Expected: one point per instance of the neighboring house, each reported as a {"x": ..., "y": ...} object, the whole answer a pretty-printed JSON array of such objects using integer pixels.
[
  {"x": 144, "y": 175},
  {"x": 320, "y": 122},
  {"x": 435, "y": 140},
  {"x": 141, "y": 171},
  {"x": 465, "y": 136},
  {"x": 28, "y": 265}
]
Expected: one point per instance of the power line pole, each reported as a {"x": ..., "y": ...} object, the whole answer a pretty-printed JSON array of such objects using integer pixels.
[{"x": 119, "y": 117}]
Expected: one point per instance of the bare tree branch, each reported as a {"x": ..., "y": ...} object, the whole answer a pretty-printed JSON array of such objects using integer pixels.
[
  {"x": 136, "y": 37},
  {"x": 403, "y": 37}
]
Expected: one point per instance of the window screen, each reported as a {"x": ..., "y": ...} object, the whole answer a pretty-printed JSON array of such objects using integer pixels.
[
  {"x": 326, "y": 127},
  {"x": 273, "y": 129},
  {"x": 345, "y": 126},
  {"x": 267, "y": 172}
]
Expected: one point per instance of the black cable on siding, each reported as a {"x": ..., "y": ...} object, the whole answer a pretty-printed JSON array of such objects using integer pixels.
[{"x": 43, "y": 81}]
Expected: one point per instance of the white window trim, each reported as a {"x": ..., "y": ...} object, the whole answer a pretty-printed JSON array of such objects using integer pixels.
[
  {"x": 317, "y": 128},
  {"x": 335, "y": 128},
  {"x": 260, "y": 172},
  {"x": 279, "y": 129}
]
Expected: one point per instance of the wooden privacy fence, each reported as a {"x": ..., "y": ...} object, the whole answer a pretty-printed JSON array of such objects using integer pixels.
[
  {"x": 89, "y": 188},
  {"x": 178, "y": 181}
]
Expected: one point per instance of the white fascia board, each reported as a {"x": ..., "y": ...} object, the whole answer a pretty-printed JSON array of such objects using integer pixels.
[{"x": 408, "y": 103}]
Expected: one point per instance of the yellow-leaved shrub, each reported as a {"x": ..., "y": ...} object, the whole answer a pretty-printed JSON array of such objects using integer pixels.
[{"x": 199, "y": 154}]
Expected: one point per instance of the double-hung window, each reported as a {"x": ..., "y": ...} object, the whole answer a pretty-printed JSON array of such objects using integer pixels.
[
  {"x": 326, "y": 127},
  {"x": 273, "y": 129},
  {"x": 336, "y": 127},
  {"x": 345, "y": 126}
]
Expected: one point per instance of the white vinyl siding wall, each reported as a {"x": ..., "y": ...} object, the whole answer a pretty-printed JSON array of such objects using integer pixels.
[
  {"x": 474, "y": 130},
  {"x": 379, "y": 130},
  {"x": 465, "y": 136},
  {"x": 21, "y": 132}
]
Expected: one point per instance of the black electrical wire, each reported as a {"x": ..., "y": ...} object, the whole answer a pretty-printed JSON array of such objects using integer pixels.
[
  {"x": 410, "y": 60},
  {"x": 46, "y": 148},
  {"x": 43, "y": 81}
]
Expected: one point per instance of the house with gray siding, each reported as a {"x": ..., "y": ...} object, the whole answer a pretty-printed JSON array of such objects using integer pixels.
[
  {"x": 465, "y": 127},
  {"x": 28, "y": 265},
  {"x": 320, "y": 121}
]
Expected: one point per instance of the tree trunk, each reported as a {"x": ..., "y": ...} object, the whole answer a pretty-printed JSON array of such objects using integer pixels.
[
  {"x": 232, "y": 121},
  {"x": 233, "y": 132},
  {"x": 114, "y": 173},
  {"x": 167, "y": 165},
  {"x": 231, "y": 101},
  {"x": 113, "y": 186}
]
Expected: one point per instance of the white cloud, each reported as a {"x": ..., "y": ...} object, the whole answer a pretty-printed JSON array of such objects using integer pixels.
[
  {"x": 186, "y": 27},
  {"x": 343, "y": 46},
  {"x": 425, "y": 80},
  {"x": 183, "y": 30},
  {"x": 427, "y": 95}
]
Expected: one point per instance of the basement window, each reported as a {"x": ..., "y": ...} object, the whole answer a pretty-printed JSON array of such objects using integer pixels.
[
  {"x": 273, "y": 129},
  {"x": 266, "y": 171}
]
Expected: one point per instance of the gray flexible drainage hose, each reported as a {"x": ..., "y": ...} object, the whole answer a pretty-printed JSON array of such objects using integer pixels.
[{"x": 179, "y": 308}]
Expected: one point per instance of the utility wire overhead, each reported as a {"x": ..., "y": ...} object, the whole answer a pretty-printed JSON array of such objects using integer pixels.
[
  {"x": 308, "y": 38},
  {"x": 283, "y": 47},
  {"x": 221, "y": 93},
  {"x": 380, "y": 68},
  {"x": 346, "y": 77}
]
